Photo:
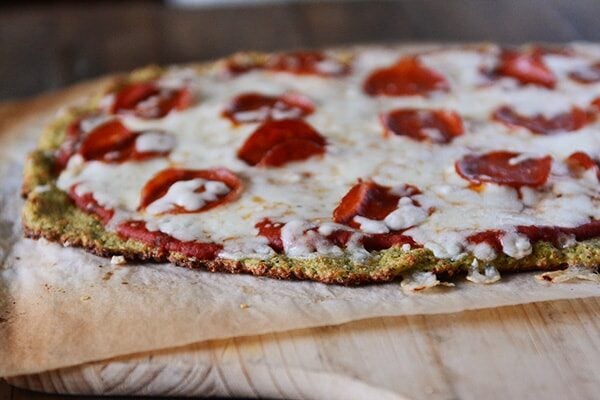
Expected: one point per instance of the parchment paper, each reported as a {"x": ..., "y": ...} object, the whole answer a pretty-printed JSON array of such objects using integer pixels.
[{"x": 61, "y": 306}]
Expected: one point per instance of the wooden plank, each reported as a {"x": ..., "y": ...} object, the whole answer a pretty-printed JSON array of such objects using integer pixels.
[
  {"x": 353, "y": 22},
  {"x": 544, "y": 350},
  {"x": 582, "y": 15},
  {"x": 5, "y": 390},
  {"x": 192, "y": 34},
  {"x": 508, "y": 21},
  {"x": 67, "y": 42}
]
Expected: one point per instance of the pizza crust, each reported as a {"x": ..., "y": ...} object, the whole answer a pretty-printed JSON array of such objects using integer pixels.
[{"x": 51, "y": 215}]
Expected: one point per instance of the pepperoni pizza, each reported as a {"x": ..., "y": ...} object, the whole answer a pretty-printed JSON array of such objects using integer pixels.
[{"x": 347, "y": 166}]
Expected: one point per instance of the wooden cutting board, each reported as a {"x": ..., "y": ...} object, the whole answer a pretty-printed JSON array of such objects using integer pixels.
[{"x": 536, "y": 351}]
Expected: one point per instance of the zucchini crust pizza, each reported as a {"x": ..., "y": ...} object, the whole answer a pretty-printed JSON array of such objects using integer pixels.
[{"x": 342, "y": 166}]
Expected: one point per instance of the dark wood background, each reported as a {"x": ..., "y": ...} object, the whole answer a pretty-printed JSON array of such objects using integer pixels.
[{"x": 47, "y": 45}]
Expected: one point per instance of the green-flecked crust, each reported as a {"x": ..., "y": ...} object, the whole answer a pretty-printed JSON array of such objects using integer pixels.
[{"x": 49, "y": 213}]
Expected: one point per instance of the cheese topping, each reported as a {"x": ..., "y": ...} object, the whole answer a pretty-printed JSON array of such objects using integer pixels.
[
  {"x": 154, "y": 141},
  {"x": 303, "y": 194},
  {"x": 186, "y": 194}
]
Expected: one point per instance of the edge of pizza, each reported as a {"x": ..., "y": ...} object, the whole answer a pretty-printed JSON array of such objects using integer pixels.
[{"x": 72, "y": 220}]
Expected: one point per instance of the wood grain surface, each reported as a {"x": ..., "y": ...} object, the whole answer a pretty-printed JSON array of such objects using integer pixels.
[
  {"x": 537, "y": 351},
  {"x": 46, "y": 45},
  {"x": 545, "y": 350}
]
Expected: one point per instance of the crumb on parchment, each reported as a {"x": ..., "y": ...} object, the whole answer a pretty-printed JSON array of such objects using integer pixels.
[{"x": 118, "y": 260}]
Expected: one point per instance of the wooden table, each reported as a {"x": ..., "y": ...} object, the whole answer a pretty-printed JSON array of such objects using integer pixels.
[
  {"x": 46, "y": 46},
  {"x": 545, "y": 350}
]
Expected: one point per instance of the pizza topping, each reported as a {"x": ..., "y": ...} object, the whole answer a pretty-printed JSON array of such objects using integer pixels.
[
  {"x": 275, "y": 143},
  {"x": 271, "y": 231},
  {"x": 579, "y": 162},
  {"x": 307, "y": 63},
  {"x": 86, "y": 201},
  {"x": 113, "y": 142},
  {"x": 174, "y": 191},
  {"x": 137, "y": 230},
  {"x": 304, "y": 238},
  {"x": 590, "y": 74},
  {"x": 69, "y": 145},
  {"x": 285, "y": 210},
  {"x": 256, "y": 107},
  {"x": 408, "y": 77},
  {"x": 378, "y": 209},
  {"x": 437, "y": 126},
  {"x": 366, "y": 199},
  {"x": 586, "y": 231},
  {"x": 540, "y": 124},
  {"x": 299, "y": 63},
  {"x": 383, "y": 241},
  {"x": 517, "y": 243},
  {"x": 483, "y": 251},
  {"x": 154, "y": 141},
  {"x": 545, "y": 50},
  {"x": 148, "y": 100},
  {"x": 504, "y": 168},
  {"x": 299, "y": 238},
  {"x": 525, "y": 67}
]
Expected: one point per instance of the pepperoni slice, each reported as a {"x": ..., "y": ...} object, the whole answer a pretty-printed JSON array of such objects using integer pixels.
[
  {"x": 299, "y": 63},
  {"x": 383, "y": 241},
  {"x": 73, "y": 135},
  {"x": 370, "y": 200},
  {"x": 271, "y": 231},
  {"x": 586, "y": 231},
  {"x": 274, "y": 143},
  {"x": 437, "y": 126},
  {"x": 307, "y": 63},
  {"x": 579, "y": 162},
  {"x": 137, "y": 230},
  {"x": 536, "y": 233},
  {"x": 525, "y": 67},
  {"x": 554, "y": 234},
  {"x": 540, "y": 124},
  {"x": 289, "y": 151},
  {"x": 590, "y": 74},
  {"x": 408, "y": 77},
  {"x": 340, "y": 237},
  {"x": 147, "y": 100},
  {"x": 110, "y": 137},
  {"x": 490, "y": 237},
  {"x": 544, "y": 50},
  {"x": 88, "y": 203},
  {"x": 256, "y": 107},
  {"x": 159, "y": 185},
  {"x": 113, "y": 142},
  {"x": 504, "y": 168}
]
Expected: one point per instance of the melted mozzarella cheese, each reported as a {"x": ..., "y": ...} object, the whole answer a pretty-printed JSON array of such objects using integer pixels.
[
  {"x": 154, "y": 141},
  {"x": 302, "y": 195},
  {"x": 186, "y": 194}
]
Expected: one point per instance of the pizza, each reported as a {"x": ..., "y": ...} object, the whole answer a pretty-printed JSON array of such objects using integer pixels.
[{"x": 346, "y": 166}]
